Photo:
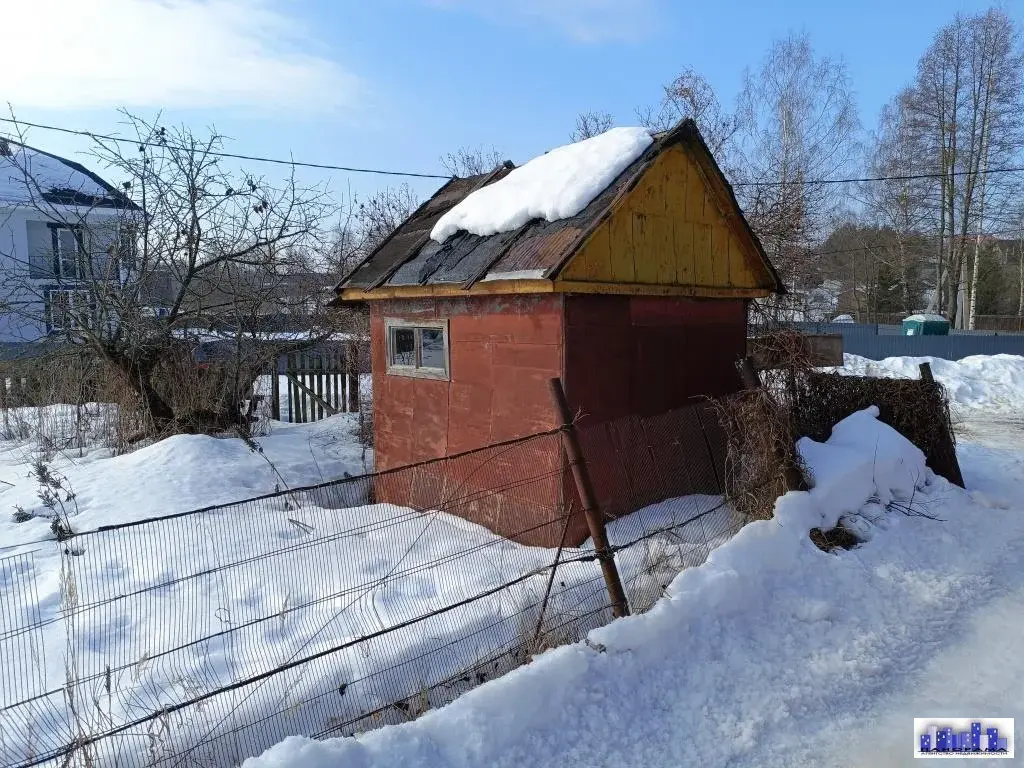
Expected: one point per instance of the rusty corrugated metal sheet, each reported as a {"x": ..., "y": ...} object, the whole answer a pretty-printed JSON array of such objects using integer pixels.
[
  {"x": 407, "y": 240},
  {"x": 409, "y": 258}
]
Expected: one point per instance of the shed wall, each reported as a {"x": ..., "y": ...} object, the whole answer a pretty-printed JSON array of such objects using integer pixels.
[
  {"x": 644, "y": 355},
  {"x": 502, "y": 352}
]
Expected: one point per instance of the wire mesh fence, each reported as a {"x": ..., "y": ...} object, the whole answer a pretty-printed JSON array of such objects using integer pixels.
[{"x": 204, "y": 637}]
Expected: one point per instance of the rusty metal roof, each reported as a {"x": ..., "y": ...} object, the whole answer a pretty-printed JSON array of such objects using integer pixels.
[{"x": 409, "y": 257}]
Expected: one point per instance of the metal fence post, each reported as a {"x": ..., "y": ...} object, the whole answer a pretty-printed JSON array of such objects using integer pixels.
[{"x": 591, "y": 510}]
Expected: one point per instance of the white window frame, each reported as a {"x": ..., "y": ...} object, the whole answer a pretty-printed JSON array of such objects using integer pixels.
[
  {"x": 416, "y": 370},
  {"x": 84, "y": 298},
  {"x": 58, "y": 256}
]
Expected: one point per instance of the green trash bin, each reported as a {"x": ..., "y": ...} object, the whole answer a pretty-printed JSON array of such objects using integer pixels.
[{"x": 926, "y": 325}]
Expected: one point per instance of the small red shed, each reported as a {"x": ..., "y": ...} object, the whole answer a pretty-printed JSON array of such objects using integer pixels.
[{"x": 638, "y": 302}]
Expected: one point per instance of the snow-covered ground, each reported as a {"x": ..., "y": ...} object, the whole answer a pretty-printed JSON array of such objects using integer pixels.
[
  {"x": 290, "y": 577},
  {"x": 775, "y": 653}
]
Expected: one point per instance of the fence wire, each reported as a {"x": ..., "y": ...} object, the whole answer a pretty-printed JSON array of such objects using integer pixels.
[{"x": 203, "y": 638}]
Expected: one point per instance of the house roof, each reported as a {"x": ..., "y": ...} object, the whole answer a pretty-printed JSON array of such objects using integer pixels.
[
  {"x": 537, "y": 250},
  {"x": 27, "y": 173}
]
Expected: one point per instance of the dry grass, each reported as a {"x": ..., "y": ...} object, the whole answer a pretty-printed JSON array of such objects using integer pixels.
[{"x": 762, "y": 426}]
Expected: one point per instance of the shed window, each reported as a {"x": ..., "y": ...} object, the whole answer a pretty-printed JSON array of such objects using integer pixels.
[{"x": 417, "y": 349}]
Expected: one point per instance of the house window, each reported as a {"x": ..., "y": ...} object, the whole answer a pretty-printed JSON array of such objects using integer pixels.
[
  {"x": 68, "y": 310},
  {"x": 68, "y": 251},
  {"x": 417, "y": 349}
]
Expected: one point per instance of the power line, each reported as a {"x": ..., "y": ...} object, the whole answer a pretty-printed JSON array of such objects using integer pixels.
[
  {"x": 414, "y": 174},
  {"x": 865, "y": 179},
  {"x": 232, "y": 155},
  {"x": 420, "y": 175}
]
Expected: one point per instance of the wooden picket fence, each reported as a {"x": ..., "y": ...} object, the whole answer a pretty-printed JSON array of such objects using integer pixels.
[{"x": 318, "y": 384}]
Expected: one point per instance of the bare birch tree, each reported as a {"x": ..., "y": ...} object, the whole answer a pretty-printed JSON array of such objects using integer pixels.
[
  {"x": 797, "y": 125},
  {"x": 966, "y": 101}
]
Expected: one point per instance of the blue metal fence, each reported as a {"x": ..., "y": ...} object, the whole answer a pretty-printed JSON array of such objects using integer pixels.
[{"x": 877, "y": 342}]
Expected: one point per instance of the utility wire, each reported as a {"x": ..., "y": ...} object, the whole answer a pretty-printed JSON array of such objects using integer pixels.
[
  {"x": 864, "y": 179},
  {"x": 419, "y": 175},
  {"x": 254, "y": 158}
]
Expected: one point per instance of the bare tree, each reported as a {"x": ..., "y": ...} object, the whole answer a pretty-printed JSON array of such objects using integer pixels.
[
  {"x": 590, "y": 124},
  {"x": 689, "y": 95},
  {"x": 966, "y": 101},
  {"x": 902, "y": 203},
  {"x": 188, "y": 245},
  {"x": 996, "y": 80},
  {"x": 467, "y": 161},
  {"x": 379, "y": 214},
  {"x": 797, "y": 124}
]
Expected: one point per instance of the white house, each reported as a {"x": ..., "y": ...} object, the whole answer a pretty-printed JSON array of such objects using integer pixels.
[{"x": 61, "y": 234}]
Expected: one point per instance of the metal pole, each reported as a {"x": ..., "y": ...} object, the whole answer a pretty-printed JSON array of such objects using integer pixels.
[{"x": 591, "y": 510}]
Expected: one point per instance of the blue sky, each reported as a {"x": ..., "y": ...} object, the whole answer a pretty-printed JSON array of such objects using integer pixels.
[{"x": 396, "y": 83}]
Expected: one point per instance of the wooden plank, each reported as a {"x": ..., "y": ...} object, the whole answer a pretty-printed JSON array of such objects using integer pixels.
[
  {"x": 275, "y": 393},
  {"x": 593, "y": 261},
  {"x": 644, "y": 205},
  {"x": 703, "y": 254},
  {"x": 636, "y": 289},
  {"x": 490, "y": 287},
  {"x": 620, "y": 236},
  {"x": 662, "y": 231},
  {"x": 304, "y": 386},
  {"x": 352, "y": 378}
]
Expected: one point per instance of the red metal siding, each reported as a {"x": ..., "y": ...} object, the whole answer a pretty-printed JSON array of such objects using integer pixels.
[
  {"x": 618, "y": 355},
  {"x": 502, "y": 352},
  {"x": 648, "y": 354}
]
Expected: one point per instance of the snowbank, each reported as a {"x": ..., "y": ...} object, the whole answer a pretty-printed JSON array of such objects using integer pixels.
[
  {"x": 980, "y": 381},
  {"x": 768, "y": 654},
  {"x": 291, "y": 575},
  {"x": 863, "y": 458},
  {"x": 553, "y": 186},
  {"x": 177, "y": 474}
]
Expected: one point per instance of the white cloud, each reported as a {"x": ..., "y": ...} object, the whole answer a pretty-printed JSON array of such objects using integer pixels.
[
  {"x": 588, "y": 21},
  {"x": 71, "y": 54}
]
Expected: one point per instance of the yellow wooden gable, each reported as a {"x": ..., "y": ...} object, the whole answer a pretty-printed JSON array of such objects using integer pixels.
[{"x": 676, "y": 228}]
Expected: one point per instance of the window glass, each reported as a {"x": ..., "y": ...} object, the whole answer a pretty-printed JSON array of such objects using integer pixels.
[
  {"x": 67, "y": 252},
  {"x": 432, "y": 348},
  {"x": 403, "y": 346}
]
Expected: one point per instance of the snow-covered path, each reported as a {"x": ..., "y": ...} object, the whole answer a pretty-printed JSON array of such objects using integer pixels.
[{"x": 978, "y": 666}]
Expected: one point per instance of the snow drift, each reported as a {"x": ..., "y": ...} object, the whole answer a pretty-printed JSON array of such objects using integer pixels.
[{"x": 979, "y": 381}]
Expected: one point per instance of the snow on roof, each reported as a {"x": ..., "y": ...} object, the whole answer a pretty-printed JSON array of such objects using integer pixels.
[
  {"x": 553, "y": 186},
  {"x": 54, "y": 176},
  {"x": 926, "y": 318}
]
